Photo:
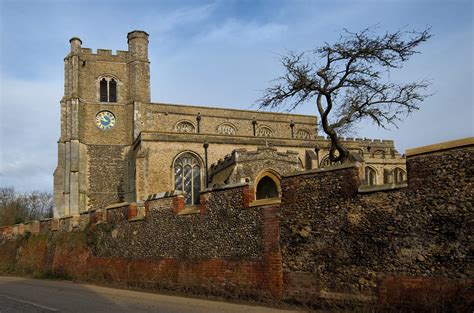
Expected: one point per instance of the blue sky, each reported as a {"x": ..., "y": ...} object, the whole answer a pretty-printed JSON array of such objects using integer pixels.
[{"x": 216, "y": 53}]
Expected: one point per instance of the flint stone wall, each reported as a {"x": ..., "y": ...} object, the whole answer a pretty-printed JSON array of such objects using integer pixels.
[
  {"x": 334, "y": 238},
  {"x": 227, "y": 230}
]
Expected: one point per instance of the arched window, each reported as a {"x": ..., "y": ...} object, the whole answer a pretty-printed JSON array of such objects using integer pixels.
[
  {"x": 266, "y": 188},
  {"x": 185, "y": 127},
  {"x": 112, "y": 91},
  {"x": 370, "y": 176},
  {"x": 108, "y": 90},
  {"x": 399, "y": 175},
  {"x": 325, "y": 162},
  {"x": 187, "y": 177},
  {"x": 103, "y": 90}
]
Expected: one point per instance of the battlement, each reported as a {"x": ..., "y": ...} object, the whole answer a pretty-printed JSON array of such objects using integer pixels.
[
  {"x": 137, "y": 48},
  {"x": 105, "y": 52}
]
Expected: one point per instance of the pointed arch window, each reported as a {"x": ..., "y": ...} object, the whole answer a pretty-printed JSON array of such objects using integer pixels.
[
  {"x": 370, "y": 176},
  {"x": 103, "y": 90},
  {"x": 108, "y": 90},
  {"x": 112, "y": 90},
  {"x": 187, "y": 177},
  {"x": 399, "y": 175}
]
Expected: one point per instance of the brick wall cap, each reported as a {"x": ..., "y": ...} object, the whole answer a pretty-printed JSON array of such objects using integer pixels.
[
  {"x": 446, "y": 145},
  {"x": 323, "y": 169}
]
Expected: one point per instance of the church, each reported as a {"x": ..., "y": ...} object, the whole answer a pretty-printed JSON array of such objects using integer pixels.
[{"x": 117, "y": 146}]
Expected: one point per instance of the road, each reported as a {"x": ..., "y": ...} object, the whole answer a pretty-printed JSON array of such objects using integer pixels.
[{"x": 34, "y": 296}]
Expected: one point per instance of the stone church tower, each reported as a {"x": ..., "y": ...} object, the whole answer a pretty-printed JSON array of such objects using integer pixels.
[
  {"x": 118, "y": 146},
  {"x": 92, "y": 156}
]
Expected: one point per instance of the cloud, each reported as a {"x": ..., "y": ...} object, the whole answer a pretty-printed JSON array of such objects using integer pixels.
[
  {"x": 240, "y": 32},
  {"x": 28, "y": 132}
]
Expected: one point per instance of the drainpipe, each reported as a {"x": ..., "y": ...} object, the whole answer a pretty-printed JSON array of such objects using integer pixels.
[
  {"x": 198, "y": 122},
  {"x": 205, "y": 146},
  {"x": 316, "y": 149},
  {"x": 254, "y": 124}
]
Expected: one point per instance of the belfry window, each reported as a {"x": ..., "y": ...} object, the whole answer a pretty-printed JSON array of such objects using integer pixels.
[
  {"x": 108, "y": 90},
  {"x": 187, "y": 177}
]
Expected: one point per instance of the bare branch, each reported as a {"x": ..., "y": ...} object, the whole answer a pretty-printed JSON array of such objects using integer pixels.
[{"x": 348, "y": 82}]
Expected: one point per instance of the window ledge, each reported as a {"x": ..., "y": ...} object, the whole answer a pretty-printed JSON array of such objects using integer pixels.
[{"x": 261, "y": 202}]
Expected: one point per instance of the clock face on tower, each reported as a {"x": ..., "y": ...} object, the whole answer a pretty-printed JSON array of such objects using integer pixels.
[{"x": 105, "y": 120}]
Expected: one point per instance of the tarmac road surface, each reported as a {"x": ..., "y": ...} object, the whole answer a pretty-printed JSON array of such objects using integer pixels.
[{"x": 34, "y": 296}]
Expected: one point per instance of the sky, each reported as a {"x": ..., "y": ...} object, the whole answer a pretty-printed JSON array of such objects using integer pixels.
[{"x": 221, "y": 54}]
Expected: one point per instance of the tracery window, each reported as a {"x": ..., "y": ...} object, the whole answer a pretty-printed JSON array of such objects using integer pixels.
[
  {"x": 226, "y": 129},
  {"x": 370, "y": 176},
  {"x": 187, "y": 177},
  {"x": 185, "y": 127},
  {"x": 325, "y": 162},
  {"x": 264, "y": 131},
  {"x": 108, "y": 90},
  {"x": 303, "y": 134},
  {"x": 399, "y": 175}
]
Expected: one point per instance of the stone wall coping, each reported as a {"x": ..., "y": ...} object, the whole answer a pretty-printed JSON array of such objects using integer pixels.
[
  {"x": 116, "y": 205},
  {"x": 262, "y": 202},
  {"x": 165, "y": 194},
  {"x": 323, "y": 169},
  {"x": 224, "y": 187},
  {"x": 391, "y": 186},
  {"x": 67, "y": 217},
  {"x": 189, "y": 210},
  {"x": 137, "y": 218},
  {"x": 458, "y": 143}
]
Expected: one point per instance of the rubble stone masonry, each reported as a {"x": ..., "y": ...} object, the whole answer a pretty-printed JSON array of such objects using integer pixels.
[{"x": 330, "y": 239}]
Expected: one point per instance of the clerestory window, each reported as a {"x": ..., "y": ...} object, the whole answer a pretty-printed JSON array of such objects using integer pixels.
[
  {"x": 108, "y": 90},
  {"x": 187, "y": 177}
]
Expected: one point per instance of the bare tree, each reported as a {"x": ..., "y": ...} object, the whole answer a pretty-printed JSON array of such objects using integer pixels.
[
  {"x": 23, "y": 207},
  {"x": 350, "y": 81}
]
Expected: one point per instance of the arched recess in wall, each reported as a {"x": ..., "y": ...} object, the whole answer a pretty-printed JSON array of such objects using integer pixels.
[
  {"x": 226, "y": 129},
  {"x": 267, "y": 185},
  {"x": 185, "y": 126},
  {"x": 107, "y": 87},
  {"x": 187, "y": 176},
  {"x": 370, "y": 176}
]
